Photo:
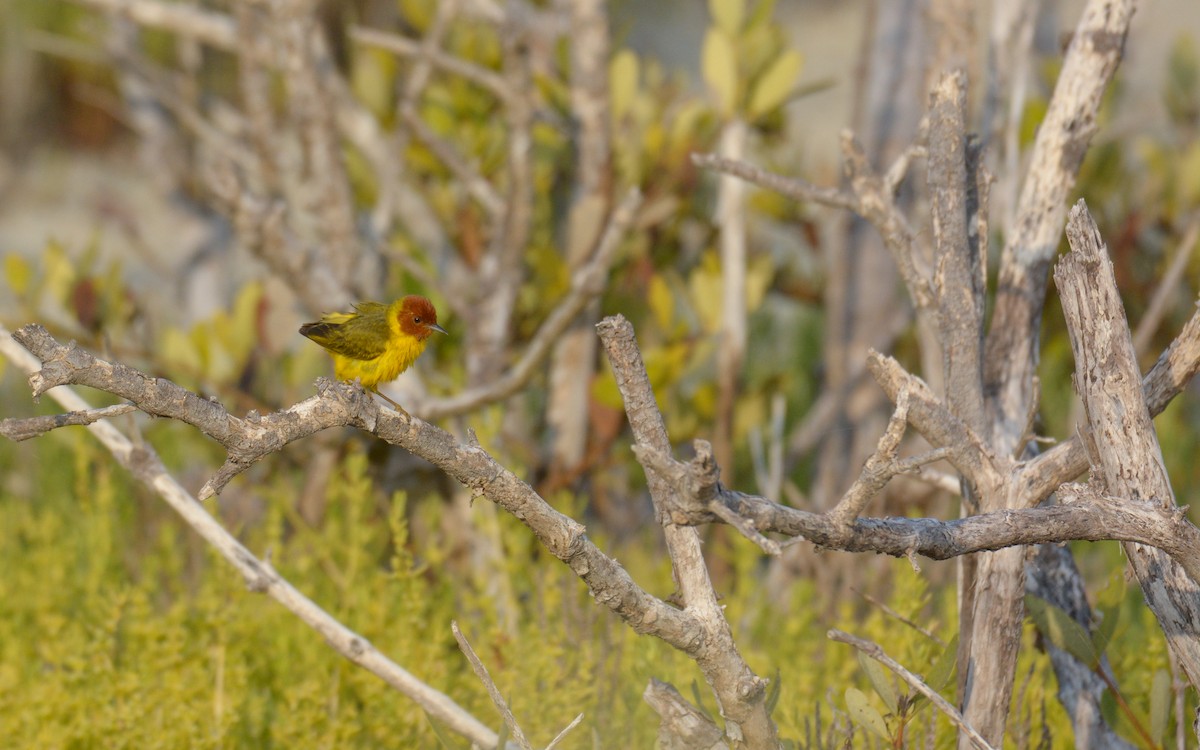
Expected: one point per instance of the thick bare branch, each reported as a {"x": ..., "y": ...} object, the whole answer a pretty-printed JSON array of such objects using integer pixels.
[
  {"x": 1062, "y": 141},
  {"x": 1124, "y": 448},
  {"x": 683, "y": 726},
  {"x": 741, "y": 693}
]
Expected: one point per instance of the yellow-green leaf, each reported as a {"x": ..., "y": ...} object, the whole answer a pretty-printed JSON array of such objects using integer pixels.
[
  {"x": 719, "y": 65},
  {"x": 622, "y": 82},
  {"x": 662, "y": 302},
  {"x": 864, "y": 714},
  {"x": 773, "y": 88},
  {"x": 179, "y": 353},
  {"x": 1160, "y": 704},
  {"x": 18, "y": 271},
  {"x": 1061, "y": 630},
  {"x": 704, "y": 289},
  {"x": 59, "y": 273},
  {"x": 728, "y": 14},
  {"x": 881, "y": 680}
]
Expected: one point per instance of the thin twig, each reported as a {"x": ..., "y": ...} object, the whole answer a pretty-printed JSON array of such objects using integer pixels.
[
  {"x": 877, "y": 653},
  {"x": 887, "y": 610},
  {"x": 482, "y": 673},
  {"x": 440, "y": 59},
  {"x": 566, "y": 730},
  {"x": 788, "y": 187},
  {"x": 1166, "y": 288},
  {"x": 31, "y": 427}
]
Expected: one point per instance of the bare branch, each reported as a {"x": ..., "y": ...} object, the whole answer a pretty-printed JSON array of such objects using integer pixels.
[
  {"x": 24, "y": 429},
  {"x": 440, "y": 59},
  {"x": 1167, "y": 286},
  {"x": 211, "y": 28},
  {"x": 793, "y": 188},
  {"x": 1129, "y": 460},
  {"x": 740, "y": 692},
  {"x": 1061, "y": 143},
  {"x": 968, "y": 453},
  {"x": 683, "y": 726},
  {"x": 566, "y": 730}
]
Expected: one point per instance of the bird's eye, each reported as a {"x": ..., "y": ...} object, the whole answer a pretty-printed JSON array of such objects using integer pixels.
[{"x": 417, "y": 319}]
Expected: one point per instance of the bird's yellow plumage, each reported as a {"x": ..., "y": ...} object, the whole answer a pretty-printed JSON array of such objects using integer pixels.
[{"x": 376, "y": 342}]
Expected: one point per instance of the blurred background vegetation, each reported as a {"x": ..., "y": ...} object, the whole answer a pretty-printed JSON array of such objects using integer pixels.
[{"x": 119, "y": 629}]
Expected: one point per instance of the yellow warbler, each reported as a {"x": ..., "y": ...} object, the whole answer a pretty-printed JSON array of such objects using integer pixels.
[{"x": 376, "y": 342}]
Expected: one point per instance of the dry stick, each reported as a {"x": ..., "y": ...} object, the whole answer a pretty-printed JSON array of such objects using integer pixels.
[
  {"x": 887, "y": 610},
  {"x": 699, "y": 485},
  {"x": 481, "y": 672},
  {"x": 1166, "y": 287},
  {"x": 24, "y": 429},
  {"x": 740, "y": 692},
  {"x": 1124, "y": 452},
  {"x": 466, "y": 174},
  {"x": 574, "y": 359},
  {"x": 144, "y": 464},
  {"x": 438, "y": 58},
  {"x": 730, "y": 217},
  {"x": 682, "y": 725},
  {"x": 874, "y": 651},
  {"x": 566, "y": 730},
  {"x": 215, "y": 29},
  {"x": 1172, "y": 372},
  {"x": 789, "y": 187}
]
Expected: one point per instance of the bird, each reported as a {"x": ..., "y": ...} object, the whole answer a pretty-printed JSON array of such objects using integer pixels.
[{"x": 376, "y": 342}]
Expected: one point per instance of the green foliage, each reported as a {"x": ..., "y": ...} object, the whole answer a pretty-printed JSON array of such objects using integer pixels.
[{"x": 745, "y": 61}]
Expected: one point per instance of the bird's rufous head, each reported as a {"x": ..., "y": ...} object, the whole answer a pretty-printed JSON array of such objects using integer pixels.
[{"x": 417, "y": 317}]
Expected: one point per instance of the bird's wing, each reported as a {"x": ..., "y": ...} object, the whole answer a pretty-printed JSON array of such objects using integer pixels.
[{"x": 357, "y": 335}]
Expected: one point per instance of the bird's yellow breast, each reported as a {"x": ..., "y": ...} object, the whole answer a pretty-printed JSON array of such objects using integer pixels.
[{"x": 399, "y": 355}]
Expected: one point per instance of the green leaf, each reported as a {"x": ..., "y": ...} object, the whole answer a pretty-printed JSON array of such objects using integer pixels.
[
  {"x": 762, "y": 13},
  {"x": 719, "y": 65},
  {"x": 442, "y": 738},
  {"x": 865, "y": 715},
  {"x": 662, "y": 302},
  {"x": 728, "y": 14},
  {"x": 1181, "y": 95},
  {"x": 881, "y": 681},
  {"x": 1109, "y": 617},
  {"x": 699, "y": 699},
  {"x": 176, "y": 349},
  {"x": 943, "y": 668},
  {"x": 1160, "y": 705},
  {"x": 622, "y": 82},
  {"x": 776, "y": 84},
  {"x": 773, "y": 692},
  {"x": 18, "y": 271},
  {"x": 1062, "y": 630}
]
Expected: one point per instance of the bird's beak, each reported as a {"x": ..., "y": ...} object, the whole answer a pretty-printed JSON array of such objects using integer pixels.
[{"x": 438, "y": 328}]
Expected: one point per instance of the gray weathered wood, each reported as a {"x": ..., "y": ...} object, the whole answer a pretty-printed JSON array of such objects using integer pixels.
[{"x": 1122, "y": 445}]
